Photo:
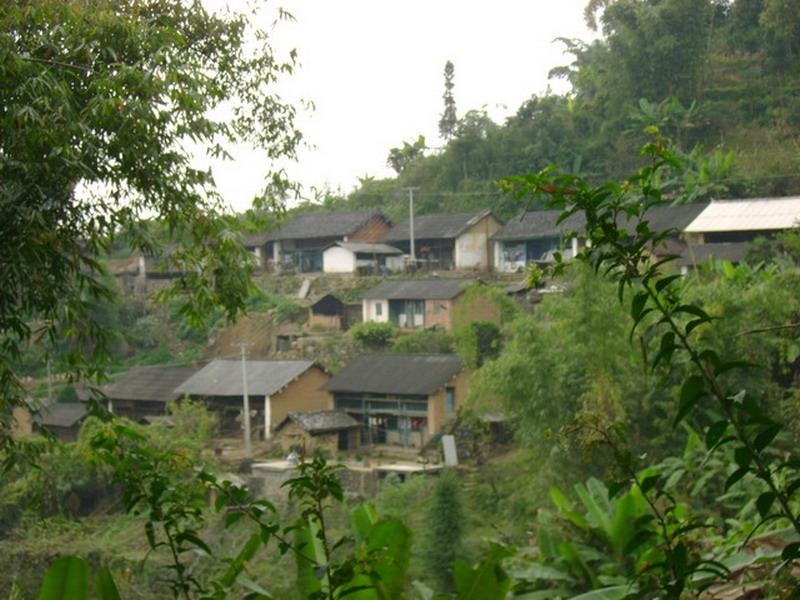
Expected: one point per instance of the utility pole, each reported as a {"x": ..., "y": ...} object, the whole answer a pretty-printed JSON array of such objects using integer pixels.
[
  {"x": 411, "y": 224},
  {"x": 49, "y": 384},
  {"x": 248, "y": 447}
]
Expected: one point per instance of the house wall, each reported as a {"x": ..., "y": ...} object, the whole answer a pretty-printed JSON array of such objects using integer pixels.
[
  {"x": 324, "y": 321},
  {"x": 292, "y": 436},
  {"x": 473, "y": 248},
  {"x": 444, "y": 318},
  {"x": 372, "y": 231},
  {"x": 137, "y": 409},
  {"x": 370, "y": 311},
  {"x": 438, "y": 416},
  {"x": 21, "y": 421},
  {"x": 302, "y": 395},
  {"x": 338, "y": 260}
]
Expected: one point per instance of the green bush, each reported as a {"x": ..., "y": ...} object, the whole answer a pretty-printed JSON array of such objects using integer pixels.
[
  {"x": 374, "y": 336},
  {"x": 438, "y": 342},
  {"x": 478, "y": 342}
]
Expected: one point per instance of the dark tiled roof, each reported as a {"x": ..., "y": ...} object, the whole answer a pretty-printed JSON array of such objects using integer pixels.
[
  {"x": 436, "y": 226},
  {"x": 368, "y": 248},
  {"x": 64, "y": 414},
  {"x": 393, "y": 373},
  {"x": 734, "y": 252},
  {"x": 315, "y": 225},
  {"x": 224, "y": 377},
  {"x": 417, "y": 289},
  {"x": 321, "y": 421},
  {"x": 537, "y": 224},
  {"x": 155, "y": 384},
  {"x": 662, "y": 218}
]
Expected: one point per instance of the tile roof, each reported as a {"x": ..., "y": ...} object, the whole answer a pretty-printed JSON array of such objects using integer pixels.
[
  {"x": 321, "y": 421},
  {"x": 224, "y": 377},
  {"x": 394, "y": 373},
  {"x": 756, "y": 214},
  {"x": 154, "y": 384},
  {"x": 537, "y": 224},
  {"x": 367, "y": 248},
  {"x": 417, "y": 289},
  {"x": 62, "y": 414},
  {"x": 436, "y": 226},
  {"x": 662, "y": 218},
  {"x": 315, "y": 225}
]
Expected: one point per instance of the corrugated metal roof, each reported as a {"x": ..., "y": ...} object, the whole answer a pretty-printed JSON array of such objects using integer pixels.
[
  {"x": 316, "y": 225},
  {"x": 64, "y": 414},
  {"x": 154, "y": 384},
  {"x": 436, "y": 226},
  {"x": 393, "y": 373},
  {"x": 757, "y": 214},
  {"x": 321, "y": 421},
  {"x": 417, "y": 289},
  {"x": 367, "y": 248},
  {"x": 537, "y": 224},
  {"x": 224, "y": 377}
]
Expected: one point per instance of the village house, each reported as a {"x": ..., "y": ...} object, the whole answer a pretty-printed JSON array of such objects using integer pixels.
[
  {"x": 361, "y": 258},
  {"x": 62, "y": 419},
  {"x": 275, "y": 388},
  {"x": 401, "y": 399},
  {"x": 426, "y": 303},
  {"x": 535, "y": 236},
  {"x": 143, "y": 392},
  {"x": 331, "y": 431},
  {"x": 448, "y": 240},
  {"x": 329, "y": 312},
  {"x": 299, "y": 243},
  {"x": 726, "y": 221}
]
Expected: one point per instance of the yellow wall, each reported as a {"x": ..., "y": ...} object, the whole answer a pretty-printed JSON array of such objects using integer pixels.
[
  {"x": 302, "y": 395},
  {"x": 437, "y": 413}
]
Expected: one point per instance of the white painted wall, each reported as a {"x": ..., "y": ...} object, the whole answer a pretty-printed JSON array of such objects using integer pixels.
[
  {"x": 338, "y": 260},
  {"x": 472, "y": 246},
  {"x": 370, "y": 310}
]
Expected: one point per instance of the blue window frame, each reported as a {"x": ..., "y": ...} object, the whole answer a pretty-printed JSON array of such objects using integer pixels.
[{"x": 450, "y": 399}]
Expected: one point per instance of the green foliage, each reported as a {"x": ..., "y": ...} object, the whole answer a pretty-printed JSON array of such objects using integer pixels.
[
  {"x": 478, "y": 342},
  {"x": 76, "y": 173},
  {"x": 436, "y": 342},
  {"x": 372, "y": 335},
  {"x": 68, "y": 393},
  {"x": 671, "y": 328},
  {"x": 443, "y": 529}
]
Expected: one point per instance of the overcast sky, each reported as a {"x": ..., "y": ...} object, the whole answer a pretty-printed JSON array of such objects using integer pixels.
[{"x": 374, "y": 70}]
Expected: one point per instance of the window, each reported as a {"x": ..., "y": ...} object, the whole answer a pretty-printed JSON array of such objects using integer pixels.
[
  {"x": 450, "y": 399},
  {"x": 378, "y": 309}
]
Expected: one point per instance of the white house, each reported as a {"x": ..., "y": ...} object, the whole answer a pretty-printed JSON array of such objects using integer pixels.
[{"x": 358, "y": 257}]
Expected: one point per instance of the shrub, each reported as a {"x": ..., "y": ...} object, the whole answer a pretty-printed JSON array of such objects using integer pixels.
[
  {"x": 479, "y": 341},
  {"x": 375, "y": 336},
  {"x": 438, "y": 342}
]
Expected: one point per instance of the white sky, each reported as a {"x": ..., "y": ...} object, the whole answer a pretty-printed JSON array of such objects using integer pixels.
[{"x": 374, "y": 70}]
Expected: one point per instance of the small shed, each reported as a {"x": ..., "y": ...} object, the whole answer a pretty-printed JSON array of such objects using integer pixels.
[
  {"x": 329, "y": 312},
  {"x": 329, "y": 430},
  {"x": 63, "y": 420}
]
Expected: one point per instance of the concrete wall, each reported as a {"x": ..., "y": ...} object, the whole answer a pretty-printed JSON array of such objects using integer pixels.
[
  {"x": 370, "y": 311},
  {"x": 338, "y": 260},
  {"x": 473, "y": 249},
  {"x": 302, "y": 395}
]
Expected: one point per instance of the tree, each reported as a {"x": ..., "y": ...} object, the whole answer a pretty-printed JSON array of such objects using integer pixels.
[
  {"x": 444, "y": 527},
  {"x": 400, "y": 158},
  {"x": 449, "y": 120},
  {"x": 99, "y": 101}
]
